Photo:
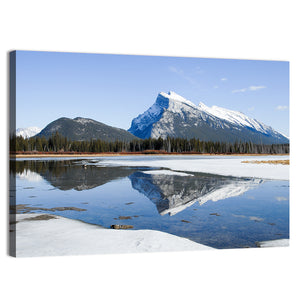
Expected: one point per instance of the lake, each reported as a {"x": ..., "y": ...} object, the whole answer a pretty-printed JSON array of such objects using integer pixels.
[{"x": 217, "y": 211}]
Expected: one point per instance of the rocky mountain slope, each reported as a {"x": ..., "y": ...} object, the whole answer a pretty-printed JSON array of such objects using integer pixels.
[
  {"x": 85, "y": 129},
  {"x": 174, "y": 116}
]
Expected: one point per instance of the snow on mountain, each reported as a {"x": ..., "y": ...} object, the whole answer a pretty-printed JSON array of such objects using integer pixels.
[
  {"x": 236, "y": 117},
  {"x": 84, "y": 121},
  {"x": 175, "y": 97},
  {"x": 162, "y": 117},
  {"x": 174, "y": 116},
  {"x": 28, "y": 132}
]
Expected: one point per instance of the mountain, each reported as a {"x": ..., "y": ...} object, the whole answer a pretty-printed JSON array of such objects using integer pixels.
[
  {"x": 174, "y": 116},
  {"x": 79, "y": 129},
  {"x": 27, "y": 132}
]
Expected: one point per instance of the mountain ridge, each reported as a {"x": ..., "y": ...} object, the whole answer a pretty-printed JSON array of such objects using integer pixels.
[
  {"x": 85, "y": 129},
  {"x": 174, "y": 116}
]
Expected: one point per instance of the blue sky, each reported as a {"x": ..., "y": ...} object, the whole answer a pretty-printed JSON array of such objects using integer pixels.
[{"x": 114, "y": 89}]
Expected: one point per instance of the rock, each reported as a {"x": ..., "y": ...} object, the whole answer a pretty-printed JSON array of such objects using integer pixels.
[
  {"x": 124, "y": 218},
  {"x": 116, "y": 226},
  {"x": 215, "y": 214}
]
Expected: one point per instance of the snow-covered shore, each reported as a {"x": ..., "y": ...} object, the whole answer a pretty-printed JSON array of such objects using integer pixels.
[
  {"x": 274, "y": 243},
  {"x": 62, "y": 236},
  {"x": 229, "y": 166}
]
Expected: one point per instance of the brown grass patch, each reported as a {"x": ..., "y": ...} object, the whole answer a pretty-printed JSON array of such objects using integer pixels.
[
  {"x": 41, "y": 218},
  {"x": 146, "y": 152},
  {"x": 274, "y": 162}
]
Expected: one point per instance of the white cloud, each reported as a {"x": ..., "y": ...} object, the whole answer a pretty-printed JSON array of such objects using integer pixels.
[
  {"x": 223, "y": 79},
  {"x": 239, "y": 91},
  {"x": 250, "y": 88},
  {"x": 256, "y": 87},
  {"x": 281, "y": 107},
  {"x": 281, "y": 198}
]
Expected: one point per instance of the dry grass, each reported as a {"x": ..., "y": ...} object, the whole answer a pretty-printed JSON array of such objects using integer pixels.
[
  {"x": 151, "y": 152},
  {"x": 275, "y": 162}
]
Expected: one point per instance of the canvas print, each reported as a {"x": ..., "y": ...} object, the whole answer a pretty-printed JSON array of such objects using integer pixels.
[{"x": 130, "y": 153}]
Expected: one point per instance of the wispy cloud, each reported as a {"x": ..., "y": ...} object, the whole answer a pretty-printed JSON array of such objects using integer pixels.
[
  {"x": 250, "y": 88},
  {"x": 256, "y": 87},
  {"x": 252, "y": 108},
  {"x": 224, "y": 79},
  {"x": 240, "y": 90},
  {"x": 280, "y": 198},
  {"x": 216, "y": 87},
  {"x": 281, "y": 107},
  {"x": 182, "y": 74}
]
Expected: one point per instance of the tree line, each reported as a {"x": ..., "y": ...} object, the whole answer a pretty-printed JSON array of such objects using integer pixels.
[{"x": 59, "y": 144}]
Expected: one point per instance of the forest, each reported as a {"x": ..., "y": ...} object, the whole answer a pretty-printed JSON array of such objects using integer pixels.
[{"x": 59, "y": 144}]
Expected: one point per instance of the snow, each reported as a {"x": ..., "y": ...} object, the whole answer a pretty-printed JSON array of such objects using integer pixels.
[
  {"x": 175, "y": 97},
  {"x": 231, "y": 116},
  {"x": 165, "y": 102},
  {"x": 151, "y": 114},
  {"x": 28, "y": 132},
  {"x": 230, "y": 190},
  {"x": 83, "y": 121},
  {"x": 163, "y": 110},
  {"x": 61, "y": 236},
  {"x": 227, "y": 166},
  {"x": 166, "y": 172},
  {"x": 236, "y": 118},
  {"x": 274, "y": 243},
  {"x": 224, "y": 192},
  {"x": 30, "y": 176}
]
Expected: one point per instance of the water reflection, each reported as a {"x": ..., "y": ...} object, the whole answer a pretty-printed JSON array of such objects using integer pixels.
[
  {"x": 187, "y": 206},
  {"x": 67, "y": 175},
  {"x": 172, "y": 194}
]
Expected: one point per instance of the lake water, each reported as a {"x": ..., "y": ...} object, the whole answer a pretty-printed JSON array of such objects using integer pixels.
[{"x": 217, "y": 211}]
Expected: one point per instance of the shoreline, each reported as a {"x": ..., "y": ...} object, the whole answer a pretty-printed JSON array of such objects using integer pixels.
[
  {"x": 52, "y": 235},
  {"x": 40, "y": 234},
  {"x": 106, "y": 154}
]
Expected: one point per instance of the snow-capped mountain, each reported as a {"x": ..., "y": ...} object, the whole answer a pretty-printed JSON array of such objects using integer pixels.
[
  {"x": 27, "y": 132},
  {"x": 174, "y": 116}
]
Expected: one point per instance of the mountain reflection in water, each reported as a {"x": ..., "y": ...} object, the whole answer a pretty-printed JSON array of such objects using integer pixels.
[
  {"x": 187, "y": 206},
  {"x": 70, "y": 174},
  {"x": 170, "y": 193}
]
